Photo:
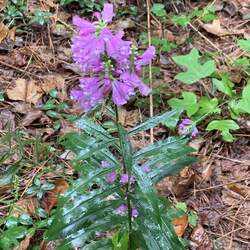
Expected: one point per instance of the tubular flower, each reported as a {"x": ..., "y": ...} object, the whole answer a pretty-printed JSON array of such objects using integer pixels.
[
  {"x": 186, "y": 128},
  {"x": 109, "y": 60}
]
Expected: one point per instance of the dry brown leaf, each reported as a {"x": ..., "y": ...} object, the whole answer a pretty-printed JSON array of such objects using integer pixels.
[
  {"x": 31, "y": 117},
  {"x": 3, "y": 4},
  {"x": 215, "y": 28},
  {"x": 200, "y": 238},
  {"x": 180, "y": 224},
  {"x": 26, "y": 205},
  {"x": 128, "y": 118},
  {"x": 26, "y": 91},
  {"x": 55, "y": 81},
  {"x": 7, "y": 120},
  {"x": 4, "y": 30},
  {"x": 50, "y": 200},
  {"x": 24, "y": 244}
]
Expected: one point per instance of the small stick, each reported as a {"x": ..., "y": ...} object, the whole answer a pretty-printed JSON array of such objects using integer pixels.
[{"x": 151, "y": 104}]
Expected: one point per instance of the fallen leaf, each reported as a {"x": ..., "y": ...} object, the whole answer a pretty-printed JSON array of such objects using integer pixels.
[
  {"x": 26, "y": 91},
  {"x": 50, "y": 200},
  {"x": 215, "y": 28},
  {"x": 24, "y": 244},
  {"x": 55, "y": 82},
  {"x": 180, "y": 224},
  {"x": 21, "y": 107},
  {"x": 26, "y": 205},
  {"x": 4, "y": 30},
  {"x": 200, "y": 238},
  {"x": 31, "y": 117},
  {"x": 128, "y": 118},
  {"x": 7, "y": 120}
]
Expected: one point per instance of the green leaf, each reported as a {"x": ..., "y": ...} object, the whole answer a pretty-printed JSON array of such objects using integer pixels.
[
  {"x": 47, "y": 186},
  {"x": 181, "y": 20},
  {"x": 242, "y": 62},
  {"x": 234, "y": 109},
  {"x": 208, "y": 106},
  {"x": 244, "y": 103},
  {"x": 188, "y": 103},
  {"x": 158, "y": 9},
  {"x": 25, "y": 219},
  {"x": 182, "y": 206},
  {"x": 224, "y": 126},
  {"x": 223, "y": 87},
  {"x": 1, "y": 96},
  {"x": 244, "y": 44},
  {"x": 195, "y": 70},
  {"x": 193, "y": 219},
  {"x": 152, "y": 122},
  {"x": 172, "y": 121},
  {"x": 126, "y": 148},
  {"x": 92, "y": 128}
]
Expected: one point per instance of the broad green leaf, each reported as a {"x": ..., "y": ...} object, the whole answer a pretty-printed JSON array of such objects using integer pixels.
[
  {"x": 234, "y": 109},
  {"x": 244, "y": 44},
  {"x": 244, "y": 103},
  {"x": 242, "y": 62},
  {"x": 188, "y": 103},
  {"x": 224, "y": 126},
  {"x": 25, "y": 219},
  {"x": 158, "y": 9},
  {"x": 172, "y": 121},
  {"x": 208, "y": 106},
  {"x": 181, "y": 20},
  {"x": 223, "y": 87},
  {"x": 182, "y": 206},
  {"x": 195, "y": 70},
  {"x": 152, "y": 122},
  {"x": 193, "y": 219}
]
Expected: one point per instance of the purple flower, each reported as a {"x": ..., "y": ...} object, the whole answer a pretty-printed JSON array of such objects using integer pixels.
[
  {"x": 135, "y": 212},
  {"x": 145, "y": 58},
  {"x": 107, "y": 13},
  {"x": 111, "y": 177},
  {"x": 145, "y": 168},
  {"x": 105, "y": 164},
  {"x": 106, "y": 59},
  {"x": 132, "y": 179},
  {"x": 121, "y": 210},
  {"x": 124, "y": 178},
  {"x": 84, "y": 27},
  {"x": 185, "y": 126}
]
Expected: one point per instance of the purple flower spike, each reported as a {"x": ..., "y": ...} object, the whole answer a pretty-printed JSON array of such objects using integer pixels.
[
  {"x": 107, "y": 13},
  {"x": 124, "y": 178},
  {"x": 105, "y": 164},
  {"x": 184, "y": 126},
  {"x": 110, "y": 178},
  {"x": 145, "y": 168},
  {"x": 106, "y": 58},
  {"x": 121, "y": 210},
  {"x": 135, "y": 212}
]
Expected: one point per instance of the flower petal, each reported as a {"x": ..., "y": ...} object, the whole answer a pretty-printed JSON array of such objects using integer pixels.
[
  {"x": 84, "y": 27},
  {"x": 107, "y": 12}
]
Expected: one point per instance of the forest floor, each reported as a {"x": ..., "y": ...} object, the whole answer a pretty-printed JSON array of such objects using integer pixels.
[{"x": 37, "y": 73}]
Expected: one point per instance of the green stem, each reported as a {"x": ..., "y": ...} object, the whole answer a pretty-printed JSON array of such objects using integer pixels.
[{"x": 125, "y": 171}]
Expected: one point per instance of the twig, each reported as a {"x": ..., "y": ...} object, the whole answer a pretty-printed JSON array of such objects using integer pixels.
[
  {"x": 21, "y": 70},
  {"x": 151, "y": 104}
]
